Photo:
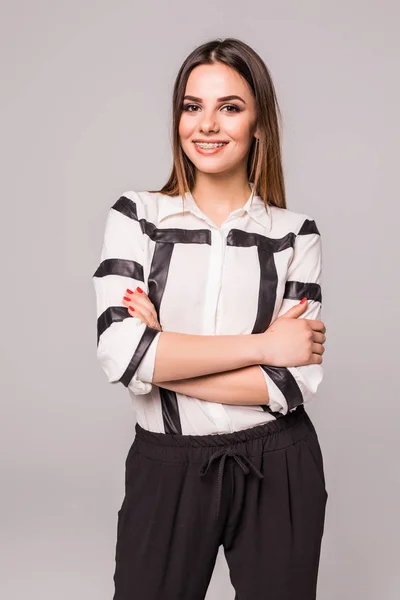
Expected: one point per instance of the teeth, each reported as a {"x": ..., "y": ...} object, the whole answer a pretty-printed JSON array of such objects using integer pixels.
[{"x": 207, "y": 145}]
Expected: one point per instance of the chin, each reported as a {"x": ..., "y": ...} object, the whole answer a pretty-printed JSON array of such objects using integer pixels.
[
  {"x": 211, "y": 168},
  {"x": 208, "y": 164}
]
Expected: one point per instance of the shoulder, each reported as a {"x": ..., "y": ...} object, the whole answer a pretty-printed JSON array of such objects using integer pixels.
[
  {"x": 139, "y": 204},
  {"x": 292, "y": 221}
]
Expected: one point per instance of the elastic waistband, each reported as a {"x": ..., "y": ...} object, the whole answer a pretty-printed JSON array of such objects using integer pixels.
[{"x": 224, "y": 439}]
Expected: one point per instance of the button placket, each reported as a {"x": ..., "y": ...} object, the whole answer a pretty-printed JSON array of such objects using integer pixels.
[
  {"x": 216, "y": 411},
  {"x": 222, "y": 262}
]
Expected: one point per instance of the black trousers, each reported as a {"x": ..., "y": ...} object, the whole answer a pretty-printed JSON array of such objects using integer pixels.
[{"x": 259, "y": 492}]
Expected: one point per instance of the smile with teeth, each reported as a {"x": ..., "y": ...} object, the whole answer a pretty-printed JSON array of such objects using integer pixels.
[{"x": 208, "y": 145}]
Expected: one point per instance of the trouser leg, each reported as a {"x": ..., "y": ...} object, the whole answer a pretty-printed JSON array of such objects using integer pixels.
[
  {"x": 168, "y": 539},
  {"x": 273, "y": 538}
]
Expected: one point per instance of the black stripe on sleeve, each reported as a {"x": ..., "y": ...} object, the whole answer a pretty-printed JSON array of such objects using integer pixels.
[
  {"x": 286, "y": 383},
  {"x": 120, "y": 266},
  {"x": 145, "y": 341},
  {"x": 113, "y": 314},
  {"x": 296, "y": 290}
]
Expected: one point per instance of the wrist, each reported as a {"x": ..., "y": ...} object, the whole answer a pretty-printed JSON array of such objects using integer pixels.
[
  {"x": 256, "y": 353},
  {"x": 263, "y": 350}
]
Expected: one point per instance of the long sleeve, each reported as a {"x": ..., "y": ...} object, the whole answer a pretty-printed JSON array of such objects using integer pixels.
[
  {"x": 289, "y": 387},
  {"x": 126, "y": 347}
]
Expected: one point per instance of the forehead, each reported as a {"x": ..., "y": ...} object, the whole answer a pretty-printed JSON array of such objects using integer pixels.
[{"x": 216, "y": 80}]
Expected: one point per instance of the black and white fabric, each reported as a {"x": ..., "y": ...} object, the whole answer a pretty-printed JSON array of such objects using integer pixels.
[{"x": 203, "y": 280}]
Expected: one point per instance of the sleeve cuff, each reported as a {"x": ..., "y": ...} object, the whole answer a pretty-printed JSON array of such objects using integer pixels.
[
  {"x": 145, "y": 371},
  {"x": 277, "y": 402}
]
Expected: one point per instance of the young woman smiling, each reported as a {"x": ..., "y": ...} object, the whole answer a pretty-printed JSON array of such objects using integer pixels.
[{"x": 208, "y": 304}]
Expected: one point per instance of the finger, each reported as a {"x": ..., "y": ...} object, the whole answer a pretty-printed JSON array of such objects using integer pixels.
[
  {"x": 143, "y": 302},
  {"x": 320, "y": 338},
  {"x": 138, "y": 290},
  {"x": 318, "y": 348},
  {"x": 127, "y": 301},
  {"x": 146, "y": 315},
  {"x": 316, "y": 359},
  {"x": 150, "y": 322},
  {"x": 143, "y": 305},
  {"x": 317, "y": 325},
  {"x": 135, "y": 308}
]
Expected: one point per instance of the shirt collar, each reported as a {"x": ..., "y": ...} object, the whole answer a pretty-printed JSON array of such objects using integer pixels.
[{"x": 172, "y": 205}]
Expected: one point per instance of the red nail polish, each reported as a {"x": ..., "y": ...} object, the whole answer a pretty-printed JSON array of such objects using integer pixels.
[
  {"x": 131, "y": 308},
  {"x": 128, "y": 299},
  {"x": 139, "y": 290},
  {"x": 303, "y": 300},
  {"x": 129, "y": 291}
]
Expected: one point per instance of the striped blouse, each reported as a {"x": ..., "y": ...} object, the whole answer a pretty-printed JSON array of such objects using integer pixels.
[{"x": 203, "y": 280}]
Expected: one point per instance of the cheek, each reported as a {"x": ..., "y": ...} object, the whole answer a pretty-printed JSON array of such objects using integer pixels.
[
  {"x": 185, "y": 128},
  {"x": 238, "y": 130}
]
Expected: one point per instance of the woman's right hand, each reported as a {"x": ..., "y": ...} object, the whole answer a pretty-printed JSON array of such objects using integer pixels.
[{"x": 292, "y": 342}]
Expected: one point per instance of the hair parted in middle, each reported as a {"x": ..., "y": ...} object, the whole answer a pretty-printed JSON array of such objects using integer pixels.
[{"x": 264, "y": 165}]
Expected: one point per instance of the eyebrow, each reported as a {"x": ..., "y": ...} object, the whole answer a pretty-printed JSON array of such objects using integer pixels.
[{"x": 223, "y": 99}]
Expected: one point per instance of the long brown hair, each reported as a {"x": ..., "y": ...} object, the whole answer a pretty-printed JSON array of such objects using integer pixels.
[{"x": 264, "y": 165}]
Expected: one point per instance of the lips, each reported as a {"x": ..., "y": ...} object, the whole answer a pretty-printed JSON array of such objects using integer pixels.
[
  {"x": 210, "y": 150},
  {"x": 210, "y": 142}
]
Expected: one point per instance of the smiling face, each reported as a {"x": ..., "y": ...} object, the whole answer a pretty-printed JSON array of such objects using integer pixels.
[{"x": 218, "y": 106}]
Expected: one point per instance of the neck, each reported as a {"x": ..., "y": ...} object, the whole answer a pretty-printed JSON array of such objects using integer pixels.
[{"x": 221, "y": 192}]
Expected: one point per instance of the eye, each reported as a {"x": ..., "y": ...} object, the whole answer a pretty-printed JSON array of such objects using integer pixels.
[
  {"x": 236, "y": 108},
  {"x": 188, "y": 107}
]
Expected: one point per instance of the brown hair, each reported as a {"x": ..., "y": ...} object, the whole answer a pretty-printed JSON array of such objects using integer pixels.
[{"x": 264, "y": 165}]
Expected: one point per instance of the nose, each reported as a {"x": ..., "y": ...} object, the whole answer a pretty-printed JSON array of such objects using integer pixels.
[
  {"x": 209, "y": 126},
  {"x": 209, "y": 123}
]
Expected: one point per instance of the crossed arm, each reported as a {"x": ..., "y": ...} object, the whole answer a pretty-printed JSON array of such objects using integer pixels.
[
  {"x": 241, "y": 386},
  {"x": 127, "y": 347}
]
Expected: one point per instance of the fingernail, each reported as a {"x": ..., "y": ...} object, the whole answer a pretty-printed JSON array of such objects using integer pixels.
[
  {"x": 129, "y": 291},
  {"x": 128, "y": 299},
  {"x": 303, "y": 300},
  {"x": 130, "y": 308},
  {"x": 139, "y": 290}
]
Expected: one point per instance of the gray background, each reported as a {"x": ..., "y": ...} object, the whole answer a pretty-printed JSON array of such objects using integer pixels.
[{"x": 85, "y": 110}]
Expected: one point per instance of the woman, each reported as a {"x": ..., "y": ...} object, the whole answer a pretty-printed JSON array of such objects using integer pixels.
[{"x": 208, "y": 302}]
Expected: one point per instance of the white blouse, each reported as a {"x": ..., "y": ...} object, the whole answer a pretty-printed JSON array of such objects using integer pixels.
[{"x": 203, "y": 280}]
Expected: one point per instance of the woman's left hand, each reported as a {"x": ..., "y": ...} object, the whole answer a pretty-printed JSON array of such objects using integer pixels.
[{"x": 139, "y": 305}]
